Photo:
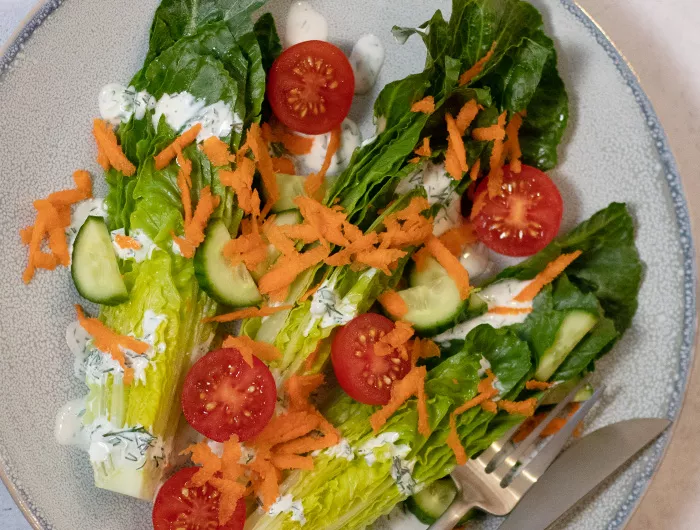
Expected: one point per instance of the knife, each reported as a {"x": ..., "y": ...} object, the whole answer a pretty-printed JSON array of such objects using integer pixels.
[{"x": 580, "y": 469}]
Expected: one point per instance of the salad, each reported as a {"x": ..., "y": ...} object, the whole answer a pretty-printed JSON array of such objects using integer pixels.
[{"x": 289, "y": 327}]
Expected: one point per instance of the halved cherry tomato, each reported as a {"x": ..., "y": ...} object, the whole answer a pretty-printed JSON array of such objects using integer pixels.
[
  {"x": 223, "y": 396},
  {"x": 310, "y": 87},
  {"x": 364, "y": 376},
  {"x": 179, "y": 507},
  {"x": 524, "y": 218}
]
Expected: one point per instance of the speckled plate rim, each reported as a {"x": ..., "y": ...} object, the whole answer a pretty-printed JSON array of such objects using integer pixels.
[{"x": 690, "y": 320}]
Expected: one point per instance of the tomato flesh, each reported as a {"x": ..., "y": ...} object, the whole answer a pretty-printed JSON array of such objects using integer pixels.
[
  {"x": 223, "y": 395},
  {"x": 182, "y": 507},
  {"x": 524, "y": 218},
  {"x": 364, "y": 376},
  {"x": 311, "y": 86}
]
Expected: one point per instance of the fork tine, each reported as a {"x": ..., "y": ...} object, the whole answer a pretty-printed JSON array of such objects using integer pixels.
[
  {"x": 514, "y": 454},
  {"x": 539, "y": 464}
]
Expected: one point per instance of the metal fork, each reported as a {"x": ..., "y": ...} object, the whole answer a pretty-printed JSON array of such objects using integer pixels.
[{"x": 498, "y": 478}]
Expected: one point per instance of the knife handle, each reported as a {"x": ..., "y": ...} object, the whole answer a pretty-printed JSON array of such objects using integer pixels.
[{"x": 453, "y": 514}]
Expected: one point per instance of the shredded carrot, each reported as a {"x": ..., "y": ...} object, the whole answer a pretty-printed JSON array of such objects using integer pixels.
[
  {"x": 425, "y": 105},
  {"x": 466, "y": 116},
  {"x": 424, "y": 149},
  {"x": 216, "y": 150},
  {"x": 455, "y": 239},
  {"x": 249, "y": 347},
  {"x": 411, "y": 385},
  {"x": 492, "y": 132},
  {"x": 522, "y": 408},
  {"x": 451, "y": 264},
  {"x": 468, "y": 76},
  {"x": 495, "y": 176},
  {"x": 110, "y": 150},
  {"x": 395, "y": 340},
  {"x": 456, "y": 155},
  {"x": 287, "y": 268},
  {"x": 490, "y": 406},
  {"x": 505, "y": 310},
  {"x": 249, "y": 312},
  {"x": 548, "y": 275},
  {"x": 282, "y": 164},
  {"x": 534, "y": 384},
  {"x": 476, "y": 168},
  {"x": 123, "y": 241},
  {"x": 513, "y": 142},
  {"x": 393, "y": 303},
  {"x": 111, "y": 343},
  {"x": 264, "y": 163},
  {"x": 166, "y": 156},
  {"x": 314, "y": 181}
]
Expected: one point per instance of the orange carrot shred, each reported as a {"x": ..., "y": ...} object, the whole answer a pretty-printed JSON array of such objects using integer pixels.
[
  {"x": 248, "y": 347},
  {"x": 110, "y": 150},
  {"x": 282, "y": 164},
  {"x": 548, "y": 275},
  {"x": 393, "y": 303},
  {"x": 534, "y": 384},
  {"x": 395, "y": 340},
  {"x": 216, "y": 150},
  {"x": 166, "y": 156},
  {"x": 425, "y": 105},
  {"x": 505, "y": 310},
  {"x": 314, "y": 181},
  {"x": 451, "y": 264},
  {"x": 513, "y": 143},
  {"x": 110, "y": 342},
  {"x": 522, "y": 408},
  {"x": 492, "y": 132},
  {"x": 249, "y": 312},
  {"x": 474, "y": 171},
  {"x": 123, "y": 241},
  {"x": 455, "y": 149},
  {"x": 466, "y": 115},
  {"x": 424, "y": 149},
  {"x": 468, "y": 76},
  {"x": 411, "y": 385}
]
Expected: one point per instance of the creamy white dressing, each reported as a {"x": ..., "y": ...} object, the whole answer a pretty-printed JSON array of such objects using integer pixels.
[
  {"x": 342, "y": 449},
  {"x": 350, "y": 138},
  {"x": 118, "y": 103},
  {"x": 304, "y": 23},
  {"x": 366, "y": 59},
  {"x": 79, "y": 214},
  {"x": 497, "y": 295},
  {"x": 287, "y": 504},
  {"x": 476, "y": 259},
  {"x": 182, "y": 110},
  {"x": 383, "y": 447},
  {"x": 138, "y": 254}
]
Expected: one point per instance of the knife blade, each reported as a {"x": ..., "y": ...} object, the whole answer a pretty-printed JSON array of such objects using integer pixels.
[{"x": 580, "y": 469}]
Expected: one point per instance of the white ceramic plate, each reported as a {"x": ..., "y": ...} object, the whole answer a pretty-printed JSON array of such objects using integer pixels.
[{"x": 615, "y": 149}]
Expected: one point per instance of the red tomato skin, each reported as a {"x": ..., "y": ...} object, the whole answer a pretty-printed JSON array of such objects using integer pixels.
[
  {"x": 360, "y": 376},
  {"x": 214, "y": 424},
  {"x": 171, "y": 502},
  {"x": 282, "y": 81},
  {"x": 542, "y": 219}
]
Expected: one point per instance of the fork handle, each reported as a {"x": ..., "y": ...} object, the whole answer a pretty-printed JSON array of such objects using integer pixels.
[{"x": 453, "y": 514}]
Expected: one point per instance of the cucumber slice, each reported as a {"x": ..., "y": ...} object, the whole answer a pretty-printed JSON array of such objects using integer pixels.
[
  {"x": 430, "y": 503},
  {"x": 228, "y": 285},
  {"x": 433, "y": 301},
  {"x": 286, "y": 217},
  {"x": 575, "y": 326},
  {"x": 290, "y": 187},
  {"x": 94, "y": 267}
]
